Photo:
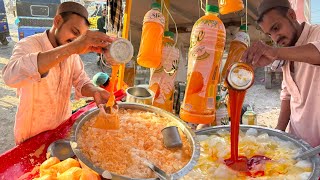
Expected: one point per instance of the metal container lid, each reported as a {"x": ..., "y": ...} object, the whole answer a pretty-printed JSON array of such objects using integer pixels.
[
  {"x": 121, "y": 50},
  {"x": 240, "y": 76}
]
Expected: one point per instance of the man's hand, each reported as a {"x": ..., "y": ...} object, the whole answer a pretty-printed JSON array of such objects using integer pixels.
[
  {"x": 259, "y": 54},
  {"x": 284, "y": 116},
  {"x": 101, "y": 96},
  {"x": 91, "y": 41}
]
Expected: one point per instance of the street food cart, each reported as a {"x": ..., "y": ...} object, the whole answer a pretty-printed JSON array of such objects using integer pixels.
[{"x": 23, "y": 161}]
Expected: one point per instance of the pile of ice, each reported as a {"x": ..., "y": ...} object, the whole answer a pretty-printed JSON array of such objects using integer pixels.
[{"x": 216, "y": 148}]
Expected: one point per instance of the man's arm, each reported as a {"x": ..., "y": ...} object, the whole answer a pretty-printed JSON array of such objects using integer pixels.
[
  {"x": 89, "y": 42},
  {"x": 47, "y": 60},
  {"x": 284, "y": 116},
  {"x": 88, "y": 90},
  {"x": 260, "y": 54},
  {"x": 306, "y": 53},
  {"x": 27, "y": 64},
  {"x": 285, "y": 110}
]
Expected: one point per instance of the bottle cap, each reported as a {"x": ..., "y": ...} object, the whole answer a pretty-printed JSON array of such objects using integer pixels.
[
  {"x": 155, "y": 6},
  {"x": 211, "y": 8},
  {"x": 169, "y": 33},
  {"x": 244, "y": 27}
]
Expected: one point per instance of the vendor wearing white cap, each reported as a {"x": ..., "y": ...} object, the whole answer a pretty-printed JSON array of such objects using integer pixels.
[
  {"x": 45, "y": 66},
  {"x": 300, "y": 51}
]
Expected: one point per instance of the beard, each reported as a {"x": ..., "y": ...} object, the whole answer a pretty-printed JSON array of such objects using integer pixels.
[
  {"x": 293, "y": 40},
  {"x": 56, "y": 36},
  {"x": 59, "y": 43},
  {"x": 295, "y": 37}
]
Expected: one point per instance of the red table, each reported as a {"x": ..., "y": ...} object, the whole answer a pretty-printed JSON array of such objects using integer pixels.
[{"x": 22, "y": 161}]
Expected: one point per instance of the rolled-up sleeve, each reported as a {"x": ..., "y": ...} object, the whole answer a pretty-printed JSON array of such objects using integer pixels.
[
  {"x": 316, "y": 44},
  {"x": 284, "y": 95},
  {"x": 22, "y": 69},
  {"x": 315, "y": 37},
  {"x": 80, "y": 77}
]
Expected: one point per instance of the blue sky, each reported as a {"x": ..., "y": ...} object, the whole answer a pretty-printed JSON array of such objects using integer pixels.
[{"x": 315, "y": 11}]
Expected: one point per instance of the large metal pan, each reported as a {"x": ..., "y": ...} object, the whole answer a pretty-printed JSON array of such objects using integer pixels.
[
  {"x": 272, "y": 132},
  {"x": 194, "y": 144}
]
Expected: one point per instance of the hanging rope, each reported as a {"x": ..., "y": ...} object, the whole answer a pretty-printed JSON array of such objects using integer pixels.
[
  {"x": 247, "y": 13},
  {"x": 175, "y": 25}
]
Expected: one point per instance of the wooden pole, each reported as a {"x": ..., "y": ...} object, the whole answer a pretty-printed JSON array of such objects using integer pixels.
[
  {"x": 125, "y": 34},
  {"x": 126, "y": 23}
]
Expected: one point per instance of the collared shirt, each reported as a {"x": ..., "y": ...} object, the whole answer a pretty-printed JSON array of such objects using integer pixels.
[
  {"x": 44, "y": 102},
  {"x": 302, "y": 88}
]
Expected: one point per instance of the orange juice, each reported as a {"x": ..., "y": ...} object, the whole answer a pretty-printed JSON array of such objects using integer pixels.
[
  {"x": 151, "y": 39},
  {"x": 229, "y": 6},
  {"x": 237, "y": 48},
  {"x": 206, "y": 48},
  {"x": 162, "y": 79},
  {"x": 113, "y": 79}
]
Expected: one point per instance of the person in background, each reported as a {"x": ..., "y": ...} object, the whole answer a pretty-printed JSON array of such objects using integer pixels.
[
  {"x": 44, "y": 67},
  {"x": 299, "y": 51},
  {"x": 97, "y": 11},
  {"x": 101, "y": 22}
]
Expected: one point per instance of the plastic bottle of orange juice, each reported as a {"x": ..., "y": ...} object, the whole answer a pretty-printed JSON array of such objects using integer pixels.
[
  {"x": 162, "y": 78},
  {"x": 151, "y": 39},
  {"x": 229, "y": 6},
  {"x": 237, "y": 47},
  {"x": 206, "y": 48}
]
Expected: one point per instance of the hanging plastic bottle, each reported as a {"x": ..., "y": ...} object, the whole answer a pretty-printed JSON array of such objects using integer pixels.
[
  {"x": 206, "y": 48},
  {"x": 237, "y": 47},
  {"x": 162, "y": 79},
  {"x": 149, "y": 55},
  {"x": 229, "y": 6},
  {"x": 249, "y": 117}
]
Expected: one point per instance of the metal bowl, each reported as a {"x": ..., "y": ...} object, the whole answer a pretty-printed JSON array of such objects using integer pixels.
[
  {"x": 272, "y": 132},
  {"x": 194, "y": 144},
  {"x": 60, "y": 149},
  {"x": 139, "y": 95}
]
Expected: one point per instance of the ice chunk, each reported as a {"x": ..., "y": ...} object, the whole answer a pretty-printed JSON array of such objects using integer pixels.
[
  {"x": 303, "y": 164},
  {"x": 202, "y": 137},
  {"x": 263, "y": 137},
  {"x": 223, "y": 132},
  {"x": 251, "y": 132},
  {"x": 224, "y": 172},
  {"x": 305, "y": 175}
]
